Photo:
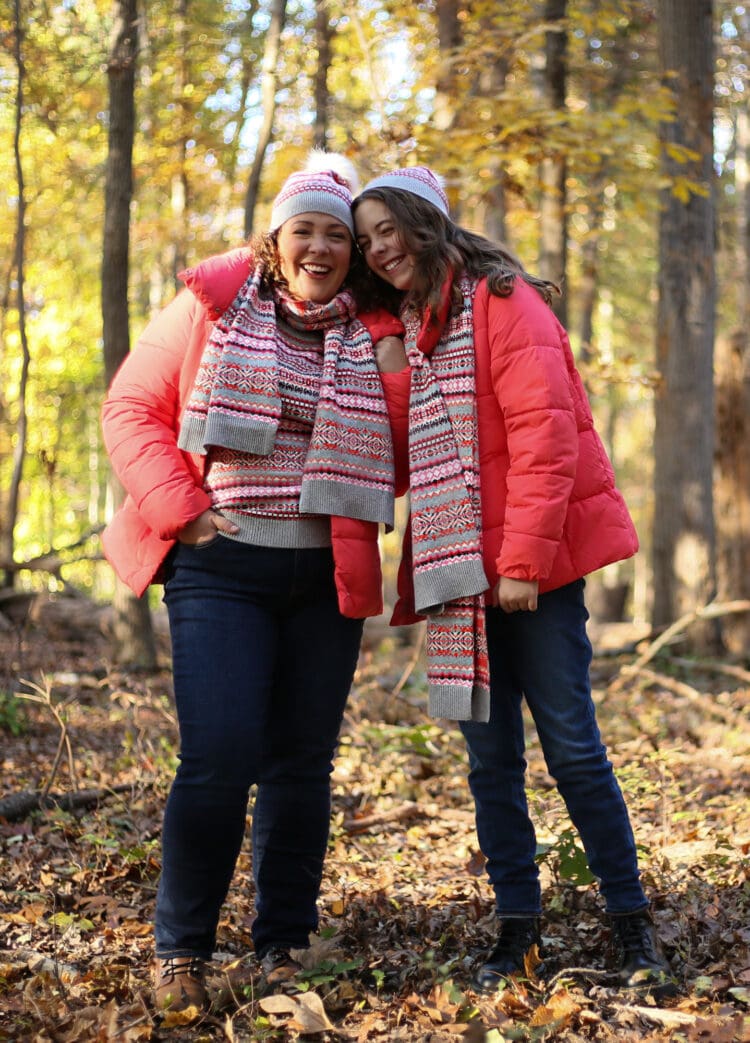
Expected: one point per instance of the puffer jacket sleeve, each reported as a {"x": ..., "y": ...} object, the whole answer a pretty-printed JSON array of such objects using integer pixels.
[
  {"x": 532, "y": 384},
  {"x": 140, "y": 420},
  {"x": 396, "y": 388}
]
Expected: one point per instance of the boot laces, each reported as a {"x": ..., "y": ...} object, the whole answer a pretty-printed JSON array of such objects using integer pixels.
[
  {"x": 517, "y": 935},
  {"x": 172, "y": 966},
  {"x": 276, "y": 956},
  {"x": 636, "y": 935}
]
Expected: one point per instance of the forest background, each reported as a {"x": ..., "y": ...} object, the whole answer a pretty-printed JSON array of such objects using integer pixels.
[{"x": 607, "y": 143}]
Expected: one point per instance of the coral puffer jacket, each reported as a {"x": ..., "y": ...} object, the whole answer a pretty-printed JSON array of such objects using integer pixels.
[
  {"x": 550, "y": 508},
  {"x": 141, "y": 418}
]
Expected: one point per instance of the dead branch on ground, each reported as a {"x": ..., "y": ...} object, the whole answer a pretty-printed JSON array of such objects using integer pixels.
[
  {"x": 16, "y": 806},
  {"x": 706, "y": 703},
  {"x": 44, "y": 698},
  {"x": 359, "y": 825},
  {"x": 713, "y": 610}
]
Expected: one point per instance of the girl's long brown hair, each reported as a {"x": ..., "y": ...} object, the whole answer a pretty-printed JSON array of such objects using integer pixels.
[{"x": 438, "y": 247}]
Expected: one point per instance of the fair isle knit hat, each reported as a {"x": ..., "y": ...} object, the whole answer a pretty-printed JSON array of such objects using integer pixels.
[
  {"x": 326, "y": 186},
  {"x": 420, "y": 181}
]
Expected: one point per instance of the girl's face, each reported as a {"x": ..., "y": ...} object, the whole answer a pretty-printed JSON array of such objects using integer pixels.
[
  {"x": 314, "y": 252},
  {"x": 378, "y": 239}
]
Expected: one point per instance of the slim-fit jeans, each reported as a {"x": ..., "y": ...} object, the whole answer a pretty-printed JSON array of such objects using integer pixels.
[
  {"x": 544, "y": 657},
  {"x": 263, "y": 662}
]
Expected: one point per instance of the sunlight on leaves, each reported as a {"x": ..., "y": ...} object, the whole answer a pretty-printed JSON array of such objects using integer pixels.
[
  {"x": 306, "y": 1011},
  {"x": 175, "y": 1018}
]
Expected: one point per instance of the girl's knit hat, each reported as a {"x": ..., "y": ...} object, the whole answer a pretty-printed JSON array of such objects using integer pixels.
[
  {"x": 326, "y": 186},
  {"x": 420, "y": 181}
]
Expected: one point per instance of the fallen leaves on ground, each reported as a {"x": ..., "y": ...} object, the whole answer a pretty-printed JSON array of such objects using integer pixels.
[{"x": 406, "y": 912}]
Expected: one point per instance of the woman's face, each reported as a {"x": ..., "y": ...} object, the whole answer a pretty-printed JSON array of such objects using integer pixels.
[
  {"x": 314, "y": 251},
  {"x": 378, "y": 239}
]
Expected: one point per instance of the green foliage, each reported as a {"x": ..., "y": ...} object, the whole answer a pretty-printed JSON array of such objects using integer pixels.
[
  {"x": 13, "y": 717},
  {"x": 567, "y": 859},
  {"x": 378, "y": 977},
  {"x": 418, "y": 738},
  {"x": 67, "y": 921},
  {"x": 197, "y": 107},
  {"x": 326, "y": 971}
]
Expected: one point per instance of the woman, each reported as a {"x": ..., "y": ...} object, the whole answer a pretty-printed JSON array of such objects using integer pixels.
[
  {"x": 229, "y": 426},
  {"x": 513, "y": 502}
]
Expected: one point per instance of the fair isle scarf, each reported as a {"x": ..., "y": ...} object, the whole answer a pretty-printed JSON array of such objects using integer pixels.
[
  {"x": 235, "y": 401},
  {"x": 446, "y": 527}
]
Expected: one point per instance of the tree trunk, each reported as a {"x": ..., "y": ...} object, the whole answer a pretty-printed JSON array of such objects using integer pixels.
[
  {"x": 119, "y": 187},
  {"x": 444, "y": 112},
  {"x": 732, "y": 487},
  {"x": 492, "y": 83},
  {"x": 449, "y": 40},
  {"x": 732, "y": 480},
  {"x": 19, "y": 452},
  {"x": 554, "y": 222},
  {"x": 134, "y": 639},
  {"x": 180, "y": 200},
  {"x": 684, "y": 548},
  {"x": 599, "y": 100},
  {"x": 742, "y": 195},
  {"x": 269, "y": 78},
  {"x": 588, "y": 293},
  {"x": 323, "y": 36},
  {"x": 245, "y": 37}
]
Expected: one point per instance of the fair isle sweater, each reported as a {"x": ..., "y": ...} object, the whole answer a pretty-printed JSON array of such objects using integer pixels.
[{"x": 261, "y": 494}]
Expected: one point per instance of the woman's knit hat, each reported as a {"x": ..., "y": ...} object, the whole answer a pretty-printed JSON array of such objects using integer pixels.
[
  {"x": 326, "y": 186},
  {"x": 420, "y": 181}
]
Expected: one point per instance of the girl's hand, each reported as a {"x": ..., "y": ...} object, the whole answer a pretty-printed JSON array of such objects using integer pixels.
[
  {"x": 516, "y": 595},
  {"x": 390, "y": 355},
  {"x": 203, "y": 528}
]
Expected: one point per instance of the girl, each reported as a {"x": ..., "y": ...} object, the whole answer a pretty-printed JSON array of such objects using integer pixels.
[
  {"x": 250, "y": 431},
  {"x": 513, "y": 502}
]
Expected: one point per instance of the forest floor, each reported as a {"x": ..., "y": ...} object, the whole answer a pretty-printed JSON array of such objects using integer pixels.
[{"x": 406, "y": 911}]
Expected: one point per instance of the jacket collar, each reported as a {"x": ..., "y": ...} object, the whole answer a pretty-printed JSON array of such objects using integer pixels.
[
  {"x": 216, "y": 280},
  {"x": 433, "y": 324}
]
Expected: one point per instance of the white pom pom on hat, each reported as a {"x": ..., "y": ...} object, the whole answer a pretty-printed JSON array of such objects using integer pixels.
[
  {"x": 326, "y": 185},
  {"x": 320, "y": 160},
  {"x": 420, "y": 181}
]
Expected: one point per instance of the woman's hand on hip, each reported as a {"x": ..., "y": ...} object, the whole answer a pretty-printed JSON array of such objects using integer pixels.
[
  {"x": 203, "y": 528},
  {"x": 516, "y": 595},
  {"x": 390, "y": 355}
]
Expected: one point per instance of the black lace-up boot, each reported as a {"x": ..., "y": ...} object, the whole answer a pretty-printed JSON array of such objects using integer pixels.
[
  {"x": 643, "y": 965},
  {"x": 517, "y": 935}
]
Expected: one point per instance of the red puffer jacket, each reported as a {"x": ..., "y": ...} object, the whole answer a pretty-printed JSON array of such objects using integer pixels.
[
  {"x": 140, "y": 420},
  {"x": 550, "y": 508}
]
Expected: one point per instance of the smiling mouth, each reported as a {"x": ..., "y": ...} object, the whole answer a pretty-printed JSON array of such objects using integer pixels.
[
  {"x": 392, "y": 265},
  {"x": 317, "y": 271}
]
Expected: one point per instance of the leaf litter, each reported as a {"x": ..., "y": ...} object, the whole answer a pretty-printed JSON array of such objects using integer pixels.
[{"x": 406, "y": 912}]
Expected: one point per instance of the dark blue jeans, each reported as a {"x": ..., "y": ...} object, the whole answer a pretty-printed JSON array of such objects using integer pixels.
[
  {"x": 545, "y": 656},
  {"x": 263, "y": 662}
]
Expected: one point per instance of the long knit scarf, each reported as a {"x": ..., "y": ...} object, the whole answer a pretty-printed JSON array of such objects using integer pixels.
[
  {"x": 446, "y": 524},
  {"x": 235, "y": 401}
]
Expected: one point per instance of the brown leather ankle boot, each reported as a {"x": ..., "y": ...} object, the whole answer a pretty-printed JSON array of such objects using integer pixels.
[{"x": 179, "y": 982}]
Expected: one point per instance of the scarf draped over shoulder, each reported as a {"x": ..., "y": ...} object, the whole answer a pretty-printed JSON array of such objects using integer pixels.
[
  {"x": 235, "y": 401},
  {"x": 445, "y": 523}
]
